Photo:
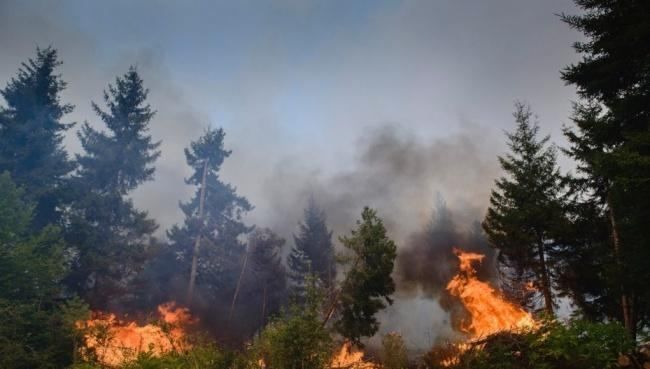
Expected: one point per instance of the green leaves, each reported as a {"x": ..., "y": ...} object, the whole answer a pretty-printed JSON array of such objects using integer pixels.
[{"x": 368, "y": 283}]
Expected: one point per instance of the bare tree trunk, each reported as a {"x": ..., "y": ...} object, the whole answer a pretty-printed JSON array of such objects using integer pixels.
[
  {"x": 628, "y": 322},
  {"x": 546, "y": 280},
  {"x": 197, "y": 243},
  {"x": 241, "y": 276}
]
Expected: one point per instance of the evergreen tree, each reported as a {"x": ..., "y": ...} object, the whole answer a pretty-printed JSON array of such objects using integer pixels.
[
  {"x": 368, "y": 283},
  {"x": 31, "y": 134},
  {"x": 111, "y": 234},
  {"x": 611, "y": 144},
  {"x": 213, "y": 217},
  {"x": 525, "y": 216},
  {"x": 313, "y": 243},
  {"x": 33, "y": 329}
]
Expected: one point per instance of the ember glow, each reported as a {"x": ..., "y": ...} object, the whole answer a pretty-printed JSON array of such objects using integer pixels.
[
  {"x": 349, "y": 358},
  {"x": 113, "y": 342},
  {"x": 488, "y": 311}
]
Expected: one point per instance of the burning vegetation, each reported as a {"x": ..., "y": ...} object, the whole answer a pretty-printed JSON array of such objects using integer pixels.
[
  {"x": 489, "y": 312},
  {"x": 113, "y": 342}
]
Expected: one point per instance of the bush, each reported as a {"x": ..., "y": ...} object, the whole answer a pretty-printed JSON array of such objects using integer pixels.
[
  {"x": 576, "y": 345},
  {"x": 298, "y": 339}
]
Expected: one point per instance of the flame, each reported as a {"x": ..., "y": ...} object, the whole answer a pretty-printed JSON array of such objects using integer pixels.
[
  {"x": 488, "y": 311},
  {"x": 115, "y": 342},
  {"x": 349, "y": 358}
]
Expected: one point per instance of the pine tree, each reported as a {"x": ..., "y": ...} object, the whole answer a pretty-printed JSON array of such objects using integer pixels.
[
  {"x": 611, "y": 144},
  {"x": 111, "y": 234},
  {"x": 31, "y": 134},
  {"x": 314, "y": 243},
  {"x": 209, "y": 239},
  {"x": 525, "y": 216},
  {"x": 368, "y": 283}
]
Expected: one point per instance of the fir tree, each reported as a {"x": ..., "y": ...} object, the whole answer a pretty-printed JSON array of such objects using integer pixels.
[
  {"x": 110, "y": 232},
  {"x": 31, "y": 134},
  {"x": 209, "y": 239},
  {"x": 525, "y": 215},
  {"x": 313, "y": 244},
  {"x": 368, "y": 283},
  {"x": 611, "y": 144}
]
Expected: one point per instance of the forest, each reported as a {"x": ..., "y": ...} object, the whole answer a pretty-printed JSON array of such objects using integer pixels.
[{"x": 555, "y": 275}]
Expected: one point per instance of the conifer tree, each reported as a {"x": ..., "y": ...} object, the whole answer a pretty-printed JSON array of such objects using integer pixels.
[
  {"x": 110, "y": 232},
  {"x": 611, "y": 144},
  {"x": 368, "y": 284},
  {"x": 209, "y": 238},
  {"x": 313, "y": 244},
  {"x": 525, "y": 216},
  {"x": 31, "y": 134},
  {"x": 32, "y": 264}
]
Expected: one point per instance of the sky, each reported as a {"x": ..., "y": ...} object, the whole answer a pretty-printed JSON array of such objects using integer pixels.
[{"x": 391, "y": 104}]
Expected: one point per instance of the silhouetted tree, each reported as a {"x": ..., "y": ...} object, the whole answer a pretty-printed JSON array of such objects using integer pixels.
[
  {"x": 611, "y": 144},
  {"x": 313, "y": 243},
  {"x": 526, "y": 214},
  {"x": 219, "y": 251},
  {"x": 110, "y": 233},
  {"x": 31, "y": 134}
]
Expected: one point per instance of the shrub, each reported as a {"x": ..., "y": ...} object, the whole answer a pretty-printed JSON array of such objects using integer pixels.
[{"x": 576, "y": 345}]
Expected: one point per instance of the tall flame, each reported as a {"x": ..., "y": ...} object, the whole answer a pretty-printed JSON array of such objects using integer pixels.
[
  {"x": 114, "y": 342},
  {"x": 488, "y": 311}
]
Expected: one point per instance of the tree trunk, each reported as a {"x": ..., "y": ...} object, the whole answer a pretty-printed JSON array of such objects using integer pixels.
[
  {"x": 546, "y": 279},
  {"x": 197, "y": 243},
  {"x": 628, "y": 321},
  {"x": 241, "y": 276}
]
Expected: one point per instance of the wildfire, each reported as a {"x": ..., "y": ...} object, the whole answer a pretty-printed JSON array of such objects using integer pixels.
[
  {"x": 349, "y": 358},
  {"x": 113, "y": 342},
  {"x": 489, "y": 311}
]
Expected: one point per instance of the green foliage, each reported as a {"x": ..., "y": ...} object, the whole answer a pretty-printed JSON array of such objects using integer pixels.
[
  {"x": 35, "y": 331},
  {"x": 31, "y": 135},
  {"x": 297, "y": 339},
  {"x": 576, "y": 345},
  {"x": 525, "y": 220},
  {"x": 368, "y": 283},
  {"x": 393, "y": 352}
]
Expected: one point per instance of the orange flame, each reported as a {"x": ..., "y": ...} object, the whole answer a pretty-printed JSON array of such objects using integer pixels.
[
  {"x": 489, "y": 311},
  {"x": 349, "y": 358},
  {"x": 114, "y": 342}
]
